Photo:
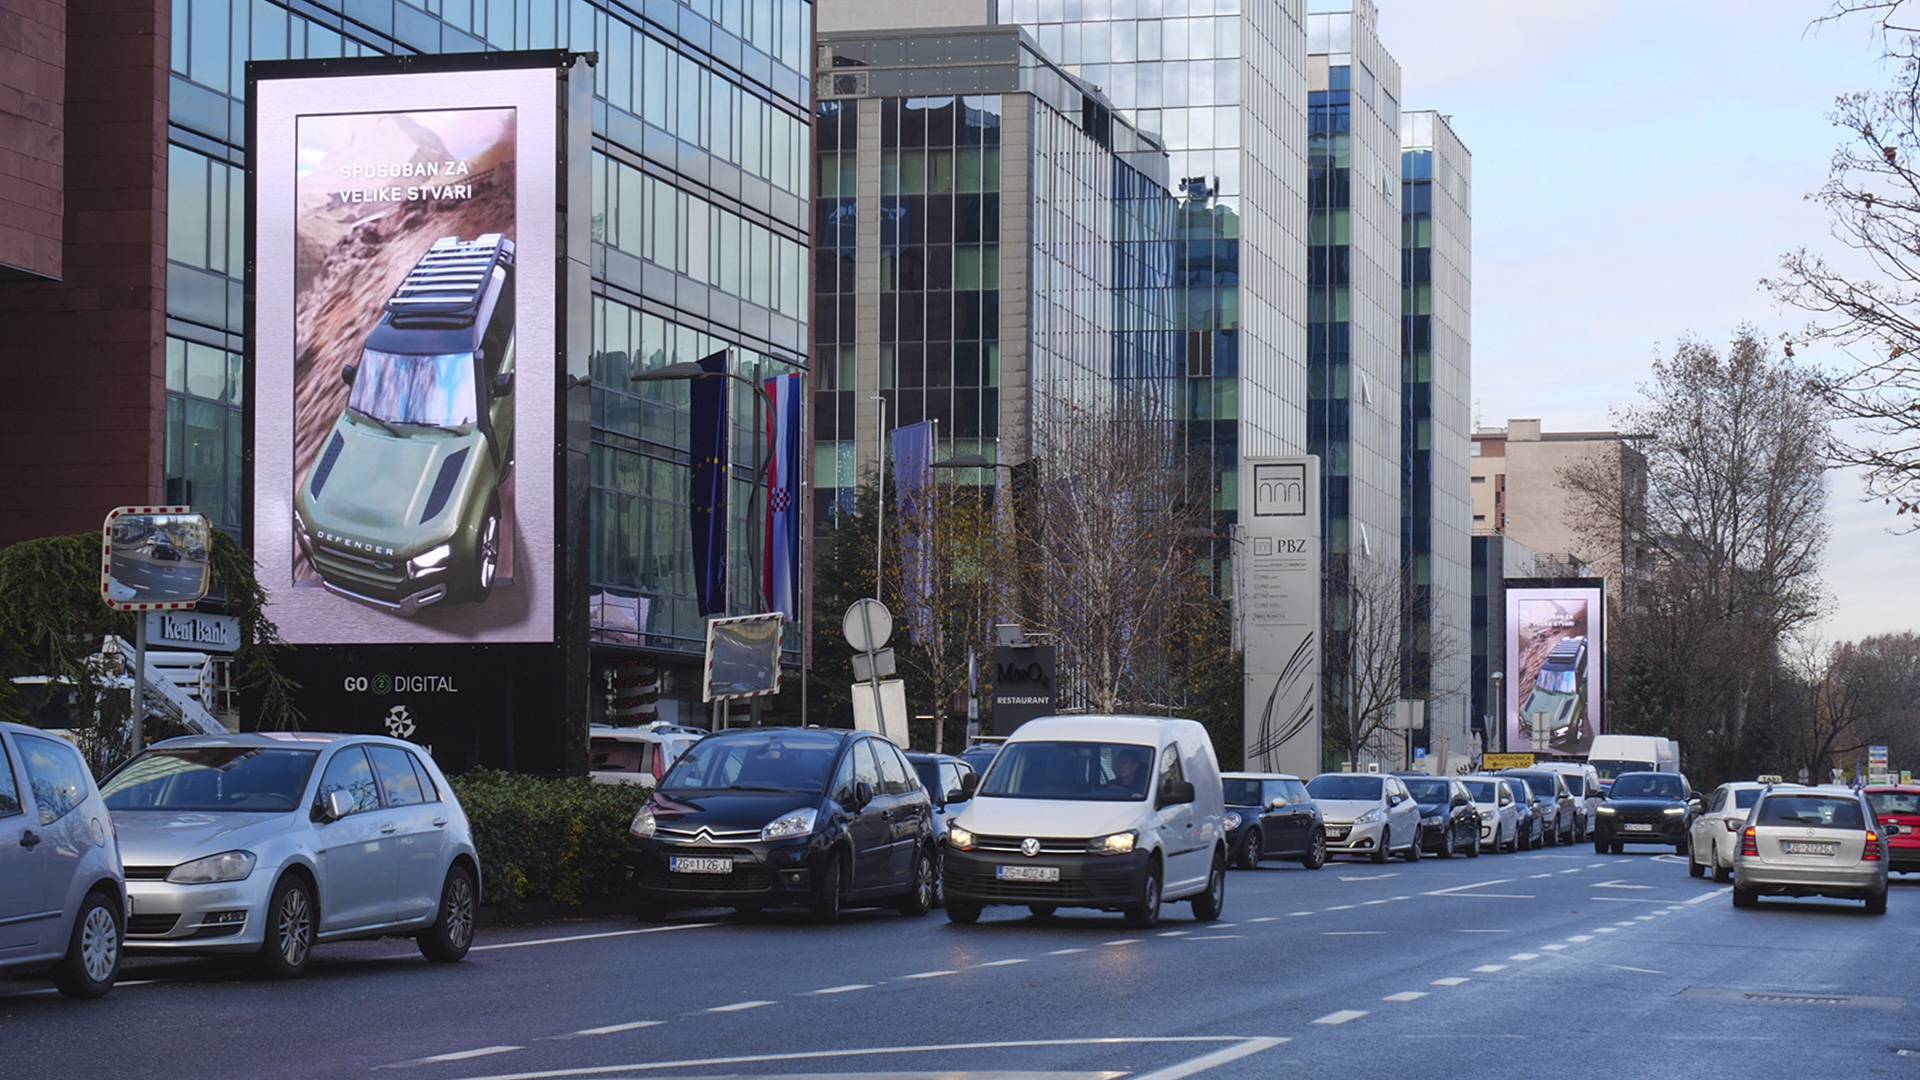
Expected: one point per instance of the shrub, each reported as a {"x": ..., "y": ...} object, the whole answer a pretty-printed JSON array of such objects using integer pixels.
[{"x": 547, "y": 840}]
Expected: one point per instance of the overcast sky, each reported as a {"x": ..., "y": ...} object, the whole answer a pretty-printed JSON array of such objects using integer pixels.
[{"x": 1637, "y": 168}]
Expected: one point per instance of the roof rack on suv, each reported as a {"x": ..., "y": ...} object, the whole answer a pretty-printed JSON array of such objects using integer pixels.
[{"x": 450, "y": 280}]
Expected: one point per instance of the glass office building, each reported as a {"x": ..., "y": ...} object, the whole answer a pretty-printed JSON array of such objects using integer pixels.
[
  {"x": 1436, "y": 357},
  {"x": 1223, "y": 83},
  {"x": 700, "y": 238},
  {"x": 995, "y": 241}
]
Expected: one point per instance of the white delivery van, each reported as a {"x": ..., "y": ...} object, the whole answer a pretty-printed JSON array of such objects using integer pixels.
[
  {"x": 1118, "y": 813},
  {"x": 1611, "y": 755}
]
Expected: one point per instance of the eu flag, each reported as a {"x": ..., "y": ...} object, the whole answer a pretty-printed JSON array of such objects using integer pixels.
[{"x": 707, "y": 484}]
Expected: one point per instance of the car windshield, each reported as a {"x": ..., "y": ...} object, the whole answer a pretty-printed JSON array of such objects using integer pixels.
[
  {"x": 1744, "y": 800},
  {"x": 399, "y": 388},
  {"x": 1071, "y": 770},
  {"x": 1893, "y": 802},
  {"x": 239, "y": 779},
  {"x": 1345, "y": 786},
  {"x": 1812, "y": 812},
  {"x": 1541, "y": 785},
  {"x": 1481, "y": 790},
  {"x": 1576, "y": 784},
  {"x": 1649, "y": 786},
  {"x": 1609, "y": 768},
  {"x": 784, "y": 761},
  {"x": 1243, "y": 792},
  {"x": 1428, "y": 792},
  {"x": 1556, "y": 681},
  {"x": 1521, "y": 792}
]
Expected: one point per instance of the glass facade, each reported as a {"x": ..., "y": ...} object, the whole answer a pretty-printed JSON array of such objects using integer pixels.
[
  {"x": 1436, "y": 354},
  {"x": 700, "y": 143}
]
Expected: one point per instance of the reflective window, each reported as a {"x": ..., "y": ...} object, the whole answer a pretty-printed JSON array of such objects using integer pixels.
[
  {"x": 398, "y": 782},
  {"x": 55, "y": 774},
  {"x": 350, "y": 772},
  {"x": 9, "y": 792}
]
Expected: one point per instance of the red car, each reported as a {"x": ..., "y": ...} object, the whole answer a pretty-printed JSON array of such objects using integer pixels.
[{"x": 1898, "y": 810}]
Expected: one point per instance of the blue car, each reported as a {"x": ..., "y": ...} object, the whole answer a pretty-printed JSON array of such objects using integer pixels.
[
  {"x": 941, "y": 775},
  {"x": 1271, "y": 816}
]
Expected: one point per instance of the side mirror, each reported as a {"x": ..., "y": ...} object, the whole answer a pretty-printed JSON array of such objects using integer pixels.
[
  {"x": 970, "y": 783},
  {"x": 1694, "y": 803},
  {"x": 1176, "y": 793},
  {"x": 862, "y": 794},
  {"x": 347, "y": 373},
  {"x": 1395, "y": 799},
  {"x": 1279, "y": 803},
  {"x": 959, "y": 794},
  {"x": 338, "y": 804},
  {"x": 503, "y": 384}
]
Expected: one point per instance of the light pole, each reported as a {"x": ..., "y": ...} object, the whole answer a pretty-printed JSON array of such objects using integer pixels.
[{"x": 1499, "y": 709}]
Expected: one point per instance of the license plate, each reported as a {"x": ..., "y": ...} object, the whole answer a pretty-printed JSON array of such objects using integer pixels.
[
  {"x": 1633, "y": 827},
  {"x": 1027, "y": 873},
  {"x": 1336, "y": 833},
  {"x": 1801, "y": 847},
  {"x": 689, "y": 865}
]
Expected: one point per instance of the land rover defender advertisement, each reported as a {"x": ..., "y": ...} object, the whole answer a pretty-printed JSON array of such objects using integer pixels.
[
  {"x": 404, "y": 355},
  {"x": 1553, "y": 673}
]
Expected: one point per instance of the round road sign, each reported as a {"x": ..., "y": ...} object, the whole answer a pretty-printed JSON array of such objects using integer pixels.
[{"x": 868, "y": 624}]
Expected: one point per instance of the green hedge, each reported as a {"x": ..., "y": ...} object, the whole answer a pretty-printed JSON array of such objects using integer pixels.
[{"x": 547, "y": 840}]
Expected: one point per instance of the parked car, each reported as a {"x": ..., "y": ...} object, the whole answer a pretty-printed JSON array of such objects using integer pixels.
[
  {"x": 270, "y": 844},
  {"x": 1819, "y": 841},
  {"x": 1532, "y": 813},
  {"x": 1559, "y": 818},
  {"x": 1646, "y": 808},
  {"x": 943, "y": 776},
  {"x": 1714, "y": 837},
  {"x": 1449, "y": 822},
  {"x": 62, "y": 895},
  {"x": 1270, "y": 815},
  {"x": 1583, "y": 783},
  {"x": 1119, "y": 813},
  {"x": 766, "y": 817},
  {"x": 1898, "y": 811},
  {"x": 1499, "y": 815},
  {"x": 636, "y": 755},
  {"x": 980, "y": 755},
  {"x": 1368, "y": 814}
]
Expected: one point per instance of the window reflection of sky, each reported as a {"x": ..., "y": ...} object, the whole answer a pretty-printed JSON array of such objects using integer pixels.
[{"x": 405, "y": 389}]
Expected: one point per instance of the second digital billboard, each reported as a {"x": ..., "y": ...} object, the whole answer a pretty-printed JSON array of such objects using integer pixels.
[{"x": 1554, "y": 669}]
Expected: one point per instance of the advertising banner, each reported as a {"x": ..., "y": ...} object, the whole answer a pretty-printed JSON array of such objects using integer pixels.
[
  {"x": 1555, "y": 652},
  {"x": 1277, "y": 611},
  {"x": 1023, "y": 686},
  {"x": 404, "y": 350}
]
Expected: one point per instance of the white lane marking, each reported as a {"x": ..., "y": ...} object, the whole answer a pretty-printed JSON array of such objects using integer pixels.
[
  {"x": 1524, "y": 956},
  {"x": 613, "y": 1029},
  {"x": 1464, "y": 888},
  {"x": 1606, "y": 929},
  {"x": 1370, "y": 877},
  {"x": 1488, "y": 896},
  {"x": 1577, "y": 869},
  {"x": 1643, "y": 971},
  {"x": 1065, "y": 952},
  {"x": 1704, "y": 897},
  {"x": 1008, "y": 962},
  {"x": 1298, "y": 914},
  {"x": 1643, "y": 918},
  {"x": 1547, "y": 874},
  {"x": 1554, "y": 948},
  {"x": 1370, "y": 903},
  {"x": 1216, "y": 937},
  {"x": 1212, "y": 1060},
  {"x": 1341, "y": 907},
  {"x": 930, "y": 974},
  {"x": 880, "y": 1051},
  {"x": 1488, "y": 969},
  {"x": 1266, "y": 918},
  {"x": 847, "y": 989},
  {"x": 1625, "y": 924},
  {"x": 1175, "y": 933},
  {"x": 458, "y": 1055},
  {"x": 1622, "y": 883},
  {"x": 1399, "y": 897},
  {"x": 1591, "y": 865},
  {"x": 1581, "y": 939},
  {"x": 739, "y": 1006},
  {"x": 1124, "y": 941},
  {"x": 1224, "y": 925},
  {"x": 583, "y": 937},
  {"x": 1406, "y": 995},
  {"x": 1483, "y": 931},
  {"x": 1352, "y": 933},
  {"x": 1343, "y": 1016},
  {"x": 1451, "y": 980},
  {"x": 1624, "y": 900}
]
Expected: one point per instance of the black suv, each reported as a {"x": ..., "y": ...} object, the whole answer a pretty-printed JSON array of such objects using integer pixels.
[
  {"x": 1449, "y": 822},
  {"x": 765, "y": 817},
  {"x": 1646, "y": 808}
]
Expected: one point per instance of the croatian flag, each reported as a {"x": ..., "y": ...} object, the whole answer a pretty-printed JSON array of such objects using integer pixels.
[{"x": 784, "y": 468}]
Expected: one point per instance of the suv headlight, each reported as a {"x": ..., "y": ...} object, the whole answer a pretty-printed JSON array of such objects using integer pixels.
[
  {"x": 1120, "y": 843},
  {"x": 643, "y": 823},
  {"x": 958, "y": 837},
  {"x": 1369, "y": 817},
  {"x": 1607, "y": 810},
  {"x": 1676, "y": 810},
  {"x": 1231, "y": 821},
  {"x": 428, "y": 561},
  {"x": 798, "y": 823},
  {"x": 226, "y": 866}
]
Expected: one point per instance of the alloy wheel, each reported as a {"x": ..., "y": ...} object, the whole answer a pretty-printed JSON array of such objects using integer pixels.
[
  {"x": 459, "y": 911},
  {"x": 489, "y": 552},
  {"x": 100, "y": 944},
  {"x": 295, "y": 927}
]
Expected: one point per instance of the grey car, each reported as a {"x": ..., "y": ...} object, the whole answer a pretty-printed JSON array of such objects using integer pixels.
[
  {"x": 1816, "y": 841},
  {"x": 269, "y": 844},
  {"x": 62, "y": 897}
]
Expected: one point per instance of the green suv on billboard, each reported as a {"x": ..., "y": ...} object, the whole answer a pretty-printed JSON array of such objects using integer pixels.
[
  {"x": 1560, "y": 690},
  {"x": 403, "y": 510}
]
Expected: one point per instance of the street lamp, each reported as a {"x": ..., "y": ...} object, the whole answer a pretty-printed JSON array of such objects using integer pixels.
[{"x": 970, "y": 461}]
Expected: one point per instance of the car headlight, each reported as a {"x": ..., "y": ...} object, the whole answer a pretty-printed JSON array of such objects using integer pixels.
[
  {"x": 1607, "y": 810},
  {"x": 1120, "y": 843},
  {"x": 958, "y": 837},
  {"x": 1676, "y": 809},
  {"x": 226, "y": 866},
  {"x": 643, "y": 823},
  {"x": 1431, "y": 819},
  {"x": 428, "y": 561},
  {"x": 1369, "y": 817},
  {"x": 1231, "y": 821},
  {"x": 798, "y": 823}
]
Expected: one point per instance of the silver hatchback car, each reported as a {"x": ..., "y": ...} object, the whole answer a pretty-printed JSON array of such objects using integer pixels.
[
  {"x": 61, "y": 895},
  {"x": 268, "y": 844},
  {"x": 1818, "y": 841}
]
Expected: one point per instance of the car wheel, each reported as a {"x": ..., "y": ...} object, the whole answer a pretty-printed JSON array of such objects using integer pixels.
[
  {"x": 1694, "y": 869},
  {"x": 1617, "y": 848},
  {"x": 1145, "y": 913},
  {"x": 1745, "y": 898},
  {"x": 1474, "y": 851},
  {"x": 1446, "y": 843},
  {"x": 1250, "y": 849},
  {"x": 1386, "y": 846},
  {"x": 452, "y": 933},
  {"x": 824, "y": 907},
  {"x": 1599, "y": 847},
  {"x": 962, "y": 912},
  {"x": 940, "y": 876},
  {"x": 290, "y": 929},
  {"x": 1412, "y": 854},
  {"x": 487, "y": 555},
  {"x": 919, "y": 898},
  {"x": 1316, "y": 856},
  {"x": 1721, "y": 875},
  {"x": 1041, "y": 911},
  {"x": 1211, "y": 901},
  {"x": 92, "y": 962},
  {"x": 1523, "y": 840},
  {"x": 1877, "y": 903}
]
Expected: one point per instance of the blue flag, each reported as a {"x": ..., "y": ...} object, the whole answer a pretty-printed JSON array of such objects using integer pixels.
[
  {"x": 707, "y": 485},
  {"x": 913, "y": 500}
]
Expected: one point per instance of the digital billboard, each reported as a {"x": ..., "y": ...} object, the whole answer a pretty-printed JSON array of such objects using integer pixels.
[
  {"x": 404, "y": 354},
  {"x": 1555, "y": 667}
]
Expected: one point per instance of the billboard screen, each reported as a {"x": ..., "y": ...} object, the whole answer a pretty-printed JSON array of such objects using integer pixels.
[
  {"x": 1555, "y": 648},
  {"x": 403, "y": 354}
]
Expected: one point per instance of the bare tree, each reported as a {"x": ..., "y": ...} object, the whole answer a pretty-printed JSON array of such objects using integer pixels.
[{"x": 1367, "y": 662}]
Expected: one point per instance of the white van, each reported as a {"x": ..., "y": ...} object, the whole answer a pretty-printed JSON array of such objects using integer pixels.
[
  {"x": 1611, "y": 755},
  {"x": 1119, "y": 813}
]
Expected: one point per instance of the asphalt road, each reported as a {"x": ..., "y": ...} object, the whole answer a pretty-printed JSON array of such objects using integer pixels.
[{"x": 1559, "y": 963}]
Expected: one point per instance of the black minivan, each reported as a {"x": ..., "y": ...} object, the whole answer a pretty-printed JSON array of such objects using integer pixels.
[{"x": 769, "y": 817}]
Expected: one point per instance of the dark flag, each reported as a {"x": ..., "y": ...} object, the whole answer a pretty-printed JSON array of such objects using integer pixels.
[{"x": 707, "y": 485}]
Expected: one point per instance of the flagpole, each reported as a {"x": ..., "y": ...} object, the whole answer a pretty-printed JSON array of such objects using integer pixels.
[{"x": 756, "y": 509}]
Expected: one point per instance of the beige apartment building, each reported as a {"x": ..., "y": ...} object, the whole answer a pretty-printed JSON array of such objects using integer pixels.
[{"x": 1519, "y": 492}]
